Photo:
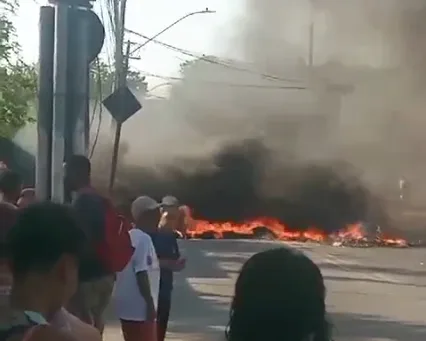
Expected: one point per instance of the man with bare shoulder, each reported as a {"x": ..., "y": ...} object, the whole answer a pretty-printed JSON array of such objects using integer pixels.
[{"x": 173, "y": 218}]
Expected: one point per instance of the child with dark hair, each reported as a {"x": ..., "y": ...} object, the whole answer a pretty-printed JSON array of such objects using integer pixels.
[
  {"x": 279, "y": 295},
  {"x": 43, "y": 249}
]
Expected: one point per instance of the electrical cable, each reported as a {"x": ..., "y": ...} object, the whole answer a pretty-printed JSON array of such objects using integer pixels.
[
  {"x": 107, "y": 19},
  {"x": 216, "y": 60},
  {"x": 98, "y": 129},
  {"x": 237, "y": 85},
  {"x": 95, "y": 106},
  {"x": 156, "y": 96}
]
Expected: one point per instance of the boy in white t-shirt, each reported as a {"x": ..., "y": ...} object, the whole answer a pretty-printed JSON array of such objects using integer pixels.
[{"x": 136, "y": 289}]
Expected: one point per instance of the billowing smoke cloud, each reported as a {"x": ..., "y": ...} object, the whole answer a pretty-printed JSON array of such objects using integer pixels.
[
  {"x": 203, "y": 143},
  {"x": 243, "y": 180}
]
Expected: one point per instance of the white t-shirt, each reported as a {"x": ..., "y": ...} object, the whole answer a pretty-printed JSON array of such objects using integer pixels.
[{"x": 128, "y": 301}]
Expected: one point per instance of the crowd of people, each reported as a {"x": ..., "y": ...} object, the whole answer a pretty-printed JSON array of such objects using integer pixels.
[{"x": 61, "y": 266}]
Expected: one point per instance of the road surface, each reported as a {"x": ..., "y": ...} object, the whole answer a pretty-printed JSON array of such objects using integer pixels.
[{"x": 373, "y": 294}]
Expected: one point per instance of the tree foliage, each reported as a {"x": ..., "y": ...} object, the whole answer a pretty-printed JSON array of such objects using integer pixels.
[
  {"x": 102, "y": 78},
  {"x": 18, "y": 80}
]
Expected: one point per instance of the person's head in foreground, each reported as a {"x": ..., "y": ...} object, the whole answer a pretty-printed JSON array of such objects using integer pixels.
[
  {"x": 146, "y": 213},
  {"x": 10, "y": 185},
  {"x": 28, "y": 196},
  {"x": 77, "y": 173},
  {"x": 279, "y": 295},
  {"x": 43, "y": 250}
]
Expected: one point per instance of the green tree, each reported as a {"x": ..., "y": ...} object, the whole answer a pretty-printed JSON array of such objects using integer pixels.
[
  {"x": 102, "y": 78},
  {"x": 18, "y": 79}
]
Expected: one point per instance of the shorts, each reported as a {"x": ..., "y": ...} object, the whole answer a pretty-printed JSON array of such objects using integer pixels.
[
  {"x": 93, "y": 297},
  {"x": 139, "y": 330}
]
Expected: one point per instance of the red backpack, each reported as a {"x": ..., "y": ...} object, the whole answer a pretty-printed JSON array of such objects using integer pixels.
[{"x": 115, "y": 250}]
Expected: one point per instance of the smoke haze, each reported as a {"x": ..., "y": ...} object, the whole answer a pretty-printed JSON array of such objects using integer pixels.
[{"x": 233, "y": 151}]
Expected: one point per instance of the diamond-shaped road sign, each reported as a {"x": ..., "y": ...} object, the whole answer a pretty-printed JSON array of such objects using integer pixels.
[{"x": 122, "y": 104}]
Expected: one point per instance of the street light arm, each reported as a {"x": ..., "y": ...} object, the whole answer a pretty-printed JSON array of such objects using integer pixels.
[
  {"x": 206, "y": 11},
  {"x": 159, "y": 86}
]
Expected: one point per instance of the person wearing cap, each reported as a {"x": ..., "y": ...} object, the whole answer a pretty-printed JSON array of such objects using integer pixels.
[
  {"x": 172, "y": 217},
  {"x": 136, "y": 290},
  {"x": 167, "y": 249}
]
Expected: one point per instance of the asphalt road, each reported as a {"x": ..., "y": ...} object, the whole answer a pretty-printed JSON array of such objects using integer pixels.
[{"x": 373, "y": 294}]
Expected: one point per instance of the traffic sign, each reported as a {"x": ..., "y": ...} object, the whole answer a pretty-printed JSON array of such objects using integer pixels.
[{"x": 122, "y": 104}]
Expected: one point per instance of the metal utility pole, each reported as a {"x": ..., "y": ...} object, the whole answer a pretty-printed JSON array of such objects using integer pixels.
[
  {"x": 45, "y": 103},
  {"x": 78, "y": 83},
  {"x": 77, "y": 39},
  {"x": 59, "y": 98},
  {"x": 122, "y": 81}
]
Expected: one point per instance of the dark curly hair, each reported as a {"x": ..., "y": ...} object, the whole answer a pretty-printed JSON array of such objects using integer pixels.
[{"x": 279, "y": 295}]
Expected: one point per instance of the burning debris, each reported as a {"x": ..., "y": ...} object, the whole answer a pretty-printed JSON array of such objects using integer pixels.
[
  {"x": 244, "y": 182},
  {"x": 354, "y": 235},
  {"x": 358, "y": 235}
]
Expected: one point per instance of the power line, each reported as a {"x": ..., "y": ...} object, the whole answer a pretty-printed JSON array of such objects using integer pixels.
[
  {"x": 98, "y": 98},
  {"x": 156, "y": 96},
  {"x": 236, "y": 85},
  {"x": 108, "y": 21},
  {"x": 216, "y": 60}
]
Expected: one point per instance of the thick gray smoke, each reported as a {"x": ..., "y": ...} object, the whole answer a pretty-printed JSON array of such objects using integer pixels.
[
  {"x": 373, "y": 51},
  {"x": 361, "y": 103},
  {"x": 269, "y": 135}
]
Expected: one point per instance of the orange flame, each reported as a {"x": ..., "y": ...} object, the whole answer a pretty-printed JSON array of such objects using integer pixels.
[
  {"x": 353, "y": 232},
  {"x": 279, "y": 230}
]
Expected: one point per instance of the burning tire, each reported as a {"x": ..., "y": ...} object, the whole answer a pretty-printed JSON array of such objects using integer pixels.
[{"x": 264, "y": 232}]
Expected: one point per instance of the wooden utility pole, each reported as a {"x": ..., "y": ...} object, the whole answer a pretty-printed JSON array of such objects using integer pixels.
[
  {"x": 311, "y": 43},
  {"x": 120, "y": 21},
  {"x": 122, "y": 82}
]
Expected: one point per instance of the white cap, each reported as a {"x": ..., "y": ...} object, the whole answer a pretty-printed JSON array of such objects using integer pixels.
[
  {"x": 143, "y": 204},
  {"x": 170, "y": 200}
]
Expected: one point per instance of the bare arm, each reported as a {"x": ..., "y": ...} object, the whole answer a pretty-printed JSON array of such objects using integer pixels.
[{"x": 144, "y": 287}]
